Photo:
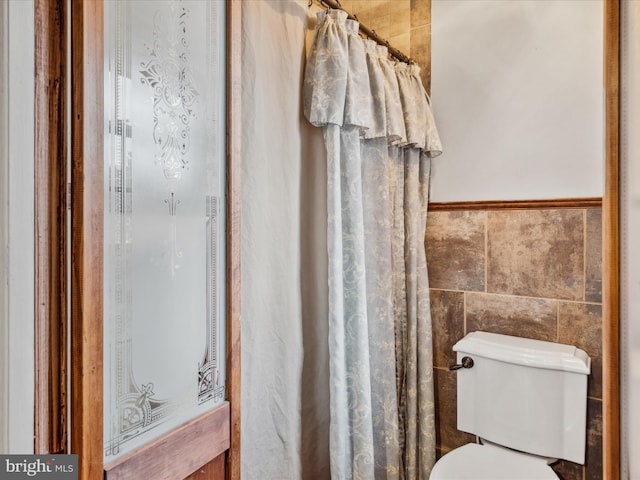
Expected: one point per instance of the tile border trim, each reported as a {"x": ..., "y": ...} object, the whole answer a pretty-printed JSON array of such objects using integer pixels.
[{"x": 555, "y": 203}]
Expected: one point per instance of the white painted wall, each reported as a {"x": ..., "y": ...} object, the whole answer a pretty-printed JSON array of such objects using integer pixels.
[
  {"x": 517, "y": 94},
  {"x": 16, "y": 226},
  {"x": 4, "y": 414},
  {"x": 630, "y": 237}
]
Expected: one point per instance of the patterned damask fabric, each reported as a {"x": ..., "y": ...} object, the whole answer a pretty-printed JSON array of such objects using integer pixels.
[{"x": 379, "y": 135}]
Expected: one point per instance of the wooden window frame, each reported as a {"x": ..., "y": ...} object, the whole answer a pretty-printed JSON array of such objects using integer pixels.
[
  {"x": 84, "y": 205},
  {"x": 50, "y": 204},
  {"x": 610, "y": 251}
]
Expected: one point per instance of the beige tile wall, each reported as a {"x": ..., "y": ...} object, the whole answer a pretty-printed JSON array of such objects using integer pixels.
[
  {"x": 529, "y": 273},
  {"x": 406, "y": 24}
]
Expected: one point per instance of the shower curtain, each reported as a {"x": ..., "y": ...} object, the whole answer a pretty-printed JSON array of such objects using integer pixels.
[
  {"x": 379, "y": 136},
  {"x": 285, "y": 367}
]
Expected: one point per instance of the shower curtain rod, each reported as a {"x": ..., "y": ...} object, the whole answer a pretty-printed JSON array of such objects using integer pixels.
[{"x": 367, "y": 31}]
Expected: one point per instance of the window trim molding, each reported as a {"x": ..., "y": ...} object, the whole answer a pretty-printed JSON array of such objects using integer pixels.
[
  {"x": 610, "y": 237},
  {"x": 50, "y": 256}
]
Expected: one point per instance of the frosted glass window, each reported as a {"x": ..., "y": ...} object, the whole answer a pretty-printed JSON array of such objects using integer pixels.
[{"x": 164, "y": 217}]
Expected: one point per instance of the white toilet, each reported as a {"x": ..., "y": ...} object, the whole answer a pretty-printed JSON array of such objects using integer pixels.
[{"x": 525, "y": 400}]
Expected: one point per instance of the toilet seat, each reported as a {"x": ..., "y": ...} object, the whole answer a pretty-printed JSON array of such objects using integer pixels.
[{"x": 490, "y": 462}]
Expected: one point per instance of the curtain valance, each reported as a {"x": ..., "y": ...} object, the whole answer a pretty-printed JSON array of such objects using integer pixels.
[{"x": 350, "y": 81}]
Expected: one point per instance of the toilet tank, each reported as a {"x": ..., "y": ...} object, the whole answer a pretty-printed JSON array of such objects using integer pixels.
[{"x": 524, "y": 394}]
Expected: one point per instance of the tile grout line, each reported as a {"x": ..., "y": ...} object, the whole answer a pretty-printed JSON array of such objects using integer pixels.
[
  {"x": 486, "y": 252},
  {"x": 584, "y": 255},
  {"x": 464, "y": 313},
  {"x": 558, "y": 321},
  {"x": 444, "y": 369},
  {"x": 530, "y": 297},
  {"x": 453, "y": 290}
]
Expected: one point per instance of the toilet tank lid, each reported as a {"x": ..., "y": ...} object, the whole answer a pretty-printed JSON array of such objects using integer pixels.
[{"x": 525, "y": 351}]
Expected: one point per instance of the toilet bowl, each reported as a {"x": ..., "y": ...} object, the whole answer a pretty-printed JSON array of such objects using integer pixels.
[
  {"x": 525, "y": 399},
  {"x": 475, "y": 461}
]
